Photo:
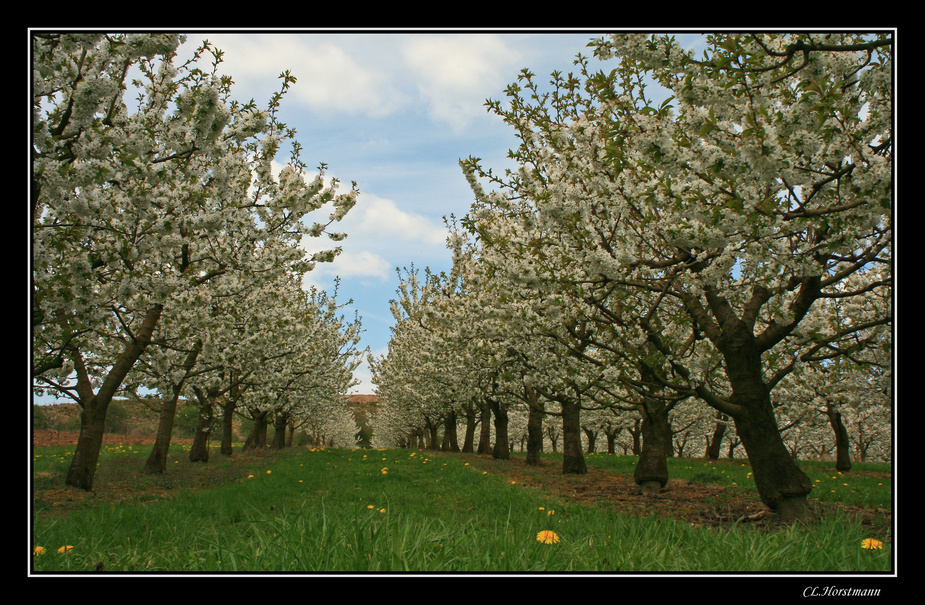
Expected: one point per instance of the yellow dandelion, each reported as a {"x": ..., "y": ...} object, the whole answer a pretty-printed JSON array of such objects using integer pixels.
[
  {"x": 547, "y": 537},
  {"x": 551, "y": 512},
  {"x": 268, "y": 472},
  {"x": 65, "y": 549},
  {"x": 39, "y": 550},
  {"x": 542, "y": 508},
  {"x": 250, "y": 476},
  {"x": 371, "y": 506},
  {"x": 871, "y": 543},
  {"x": 381, "y": 510}
]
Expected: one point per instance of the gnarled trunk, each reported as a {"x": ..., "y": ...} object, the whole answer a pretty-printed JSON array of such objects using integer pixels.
[
  {"x": 781, "y": 484},
  {"x": 199, "y": 451},
  {"x": 651, "y": 473},
  {"x": 502, "y": 449},
  {"x": 257, "y": 439},
  {"x": 535, "y": 414},
  {"x": 573, "y": 461}
]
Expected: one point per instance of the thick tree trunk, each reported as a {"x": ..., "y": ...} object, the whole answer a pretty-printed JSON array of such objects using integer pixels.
[
  {"x": 471, "y": 423},
  {"x": 82, "y": 470},
  {"x": 279, "y": 430},
  {"x": 257, "y": 439},
  {"x": 781, "y": 484},
  {"x": 502, "y": 449},
  {"x": 450, "y": 442},
  {"x": 842, "y": 443},
  {"x": 535, "y": 414},
  {"x": 651, "y": 473},
  {"x": 573, "y": 461},
  {"x": 485, "y": 428},
  {"x": 199, "y": 451}
]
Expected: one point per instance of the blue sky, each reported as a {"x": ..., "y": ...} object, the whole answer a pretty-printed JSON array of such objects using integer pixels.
[{"x": 395, "y": 112}]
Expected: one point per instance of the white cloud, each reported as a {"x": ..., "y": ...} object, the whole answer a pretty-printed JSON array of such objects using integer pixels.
[
  {"x": 383, "y": 220},
  {"x": 456, "y": 73},
  {"x": 329, "y": 79},
  {"x": 379, "y": 238}
]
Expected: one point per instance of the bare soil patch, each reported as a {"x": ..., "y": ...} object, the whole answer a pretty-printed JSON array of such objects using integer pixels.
[{"x": 709, "y": 505}]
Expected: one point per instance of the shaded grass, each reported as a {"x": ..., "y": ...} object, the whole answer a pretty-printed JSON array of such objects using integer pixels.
[{"x": 393, "y": 511}]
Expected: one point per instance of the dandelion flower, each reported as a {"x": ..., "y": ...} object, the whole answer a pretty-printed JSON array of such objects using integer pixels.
[
  {"x": 268, "y": 472},
  {"x": 39, "y": 550},
  {"x": 371, "y": 506},
  {"x": 547, "y": 537},
  {"x": 65, "y": 549},
  {"x": 870, "y": 543},
  {"x": 381, "y": 510}
]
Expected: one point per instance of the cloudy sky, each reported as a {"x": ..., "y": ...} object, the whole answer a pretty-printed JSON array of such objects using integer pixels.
[{"x": 394, "y": 112}]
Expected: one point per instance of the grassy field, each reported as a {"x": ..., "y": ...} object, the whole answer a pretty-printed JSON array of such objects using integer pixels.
[{"x": 369, "y": 511}]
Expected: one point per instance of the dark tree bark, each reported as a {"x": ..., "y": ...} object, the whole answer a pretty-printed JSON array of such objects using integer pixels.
[
  {"x": 502, "y": 448},
  {"x": 257, "y": 439},
  {"x": 716, "y": 440},
  {"x": 157, "y": 459},
  {"x": 573, "y": 461},
  {"x": 279, "y": 430},
  {"x": 450, "y": 442},
  {"x": 199, "y": 451},
  {"x": 842, "y": 443},
  {"x": 471, "y": 423},
  {"x": 82, "y": 470},
  {"x": 228, "y": 408},
  {"x": 432, "y": 429},
  {"x": 781, "y": 484},
  {"x": 535, "y": 414},
  {"x": 485, "y": 427},
  {"x": 651, "y": 473}
]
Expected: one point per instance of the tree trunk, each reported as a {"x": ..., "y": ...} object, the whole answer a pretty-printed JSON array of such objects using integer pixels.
[
  {"x": 471, "y": 422},
  {"x": 716, "y": 440},
  {"x": 485, "y": 428},
  {"x": 573, "y": 461},
  {"x": 502, "y": 449},
  {"x": 781, "y": 484},
  {"x": 651, "y": 473},
  {"x": 157, "y": 459},
  {"x": 82, "y": 470},
  {"x": 257, "y": 439},
  {"x": 199, "y": 451},
  {"x": 450, "y": 443},
  {"x": 636, "y": 433},
  {"x": 228, "y": 408},
  {"x": 592, "y": 438},
  {"x": 535, "y": 414},
  {"x": 431, "y": 428},
  {"x": 279, "y": 430},
  {"x": 842, "y": 443}
]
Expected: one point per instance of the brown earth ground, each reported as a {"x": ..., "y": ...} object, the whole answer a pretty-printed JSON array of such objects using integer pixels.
[{"x": 695, "y": 503}]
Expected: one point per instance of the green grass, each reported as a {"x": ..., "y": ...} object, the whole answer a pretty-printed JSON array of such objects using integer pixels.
[{"x": 337, "y": 511}]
